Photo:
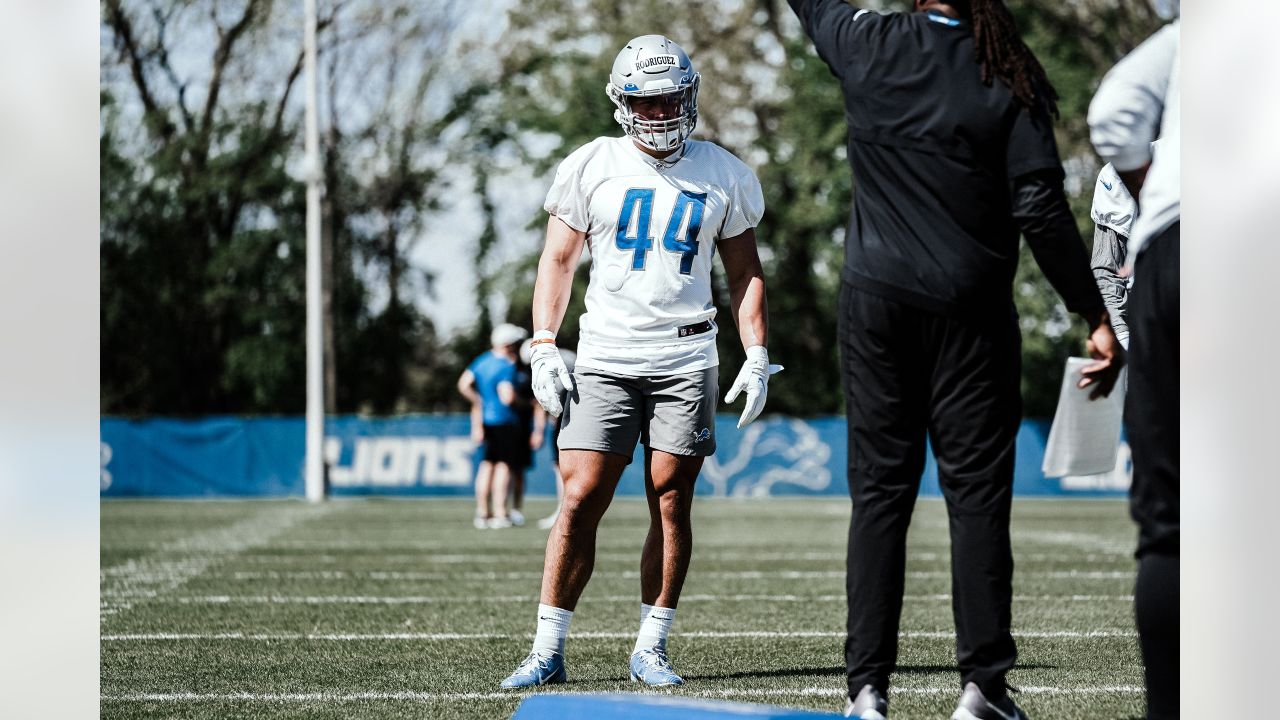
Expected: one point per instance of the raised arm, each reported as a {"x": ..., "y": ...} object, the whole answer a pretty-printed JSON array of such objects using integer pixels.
[{"x": 831, "y": 24}]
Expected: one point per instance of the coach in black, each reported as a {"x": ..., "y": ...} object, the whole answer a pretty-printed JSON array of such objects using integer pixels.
[{"x": 952, "y": 151}]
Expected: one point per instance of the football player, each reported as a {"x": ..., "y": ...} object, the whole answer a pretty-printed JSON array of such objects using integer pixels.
[{"x": 653, "y": 207}]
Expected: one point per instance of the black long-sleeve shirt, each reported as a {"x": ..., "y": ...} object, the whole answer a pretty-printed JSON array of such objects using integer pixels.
[{"x": 947, "y": 171}]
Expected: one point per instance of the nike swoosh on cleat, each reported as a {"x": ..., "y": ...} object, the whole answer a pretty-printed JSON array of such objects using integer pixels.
[{"x": 1108, "y": 187}]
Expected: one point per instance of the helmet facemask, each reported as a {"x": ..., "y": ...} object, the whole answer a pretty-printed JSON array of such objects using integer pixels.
[{"x": 661, "y": 135}]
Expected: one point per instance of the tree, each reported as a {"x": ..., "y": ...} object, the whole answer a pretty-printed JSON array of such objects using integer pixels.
[
  {"x": 202, "y": 224},
  {"x": 767, "y": 97},
  {"x": 202, "y": 217}
]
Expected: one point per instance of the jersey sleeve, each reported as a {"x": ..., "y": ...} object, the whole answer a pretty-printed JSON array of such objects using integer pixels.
[
  {"x": 1032, "y": 147},
  {"x": 746, "y": 205},
  {"x": 568, "y": 199}
]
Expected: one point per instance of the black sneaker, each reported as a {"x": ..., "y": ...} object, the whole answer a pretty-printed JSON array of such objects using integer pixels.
[{"x": 974, "y": 705}]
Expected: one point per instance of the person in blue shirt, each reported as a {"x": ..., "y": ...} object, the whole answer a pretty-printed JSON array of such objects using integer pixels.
[{"x": 489, "y": 383}]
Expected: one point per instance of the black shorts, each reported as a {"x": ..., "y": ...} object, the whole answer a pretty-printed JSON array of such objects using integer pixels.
[{"x": 503, "y": 443}]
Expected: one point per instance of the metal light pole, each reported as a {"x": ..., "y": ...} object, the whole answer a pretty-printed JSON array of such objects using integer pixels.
[{"x": 315, "y": 319}]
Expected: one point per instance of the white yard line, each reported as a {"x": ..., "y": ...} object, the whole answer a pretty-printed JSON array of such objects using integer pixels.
[
  {"x": 477, "y": 599},
  {"x": 173, "y": 564},
  {"x": 534, "y": 557},
  {"x": 704, "y": 634},
  {"x": 414, "y": 575},
  {"x": 412, "y": 696},
  {"x": 1076, "y": 540}
]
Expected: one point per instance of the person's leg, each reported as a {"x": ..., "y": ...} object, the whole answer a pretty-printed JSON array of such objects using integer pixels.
[
  {"x": 589, "y": 481},
  {"x": 976, "y": 412},
  {"x": 678, "y": 437},
  {"x": 484, "y": 481},
  {"x": 1156, "y": 606},
  {"x": 669, "y": 481},
  {"x": 501, "y": 490},
  {"x": 884, "y": 386},
  {"x": 521, "y": 465},
  {"x": 1153, "y": 423},
  {"x": 651, "y": 553},
  {"x": 601, "y": 425},
  {"x": 517, "y": 494},
  {"x": 664, "y": 562}
]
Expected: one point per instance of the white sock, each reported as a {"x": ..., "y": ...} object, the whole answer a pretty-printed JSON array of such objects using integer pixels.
[
  {"x": 644, "y": 612},
  {"x": 655, "y": 628},
  {"x": 553, "y": 628}
]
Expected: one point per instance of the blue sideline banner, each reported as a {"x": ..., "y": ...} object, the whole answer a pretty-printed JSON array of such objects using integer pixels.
[{"x": 433, "y": 455}]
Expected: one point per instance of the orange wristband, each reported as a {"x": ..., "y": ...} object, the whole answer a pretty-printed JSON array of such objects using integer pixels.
[{"x": 542, "y": 340}]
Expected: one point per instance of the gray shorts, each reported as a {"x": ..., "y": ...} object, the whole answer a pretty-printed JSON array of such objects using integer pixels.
[{"x": 672, "y": 413}]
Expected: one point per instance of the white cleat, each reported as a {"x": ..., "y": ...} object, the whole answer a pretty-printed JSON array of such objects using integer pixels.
[
  {"x": 498, "y": 523},
  {"x": 480, "y": 523},
  {"x": 517, "y": 518}
]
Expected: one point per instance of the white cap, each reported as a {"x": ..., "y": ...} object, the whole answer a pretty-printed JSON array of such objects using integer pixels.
[{"x": 507, "y": 334}]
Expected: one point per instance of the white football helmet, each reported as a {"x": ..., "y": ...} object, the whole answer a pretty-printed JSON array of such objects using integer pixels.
[{"x": 654, "y": 65}]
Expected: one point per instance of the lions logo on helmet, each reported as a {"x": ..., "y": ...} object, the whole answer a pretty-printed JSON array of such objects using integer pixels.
[{"x": 649, "y": 66}]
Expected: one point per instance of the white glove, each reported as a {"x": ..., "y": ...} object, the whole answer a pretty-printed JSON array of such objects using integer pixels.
[
  {"x": 550, "y": 376},
  {"x": 754, "y": 379}
]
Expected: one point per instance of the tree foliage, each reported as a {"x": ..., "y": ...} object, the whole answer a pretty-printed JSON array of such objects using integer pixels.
[
  {"x": 768, "y": 98},
  {"x": 203, "y": 213},
  {"x": 202, "y": 257}
]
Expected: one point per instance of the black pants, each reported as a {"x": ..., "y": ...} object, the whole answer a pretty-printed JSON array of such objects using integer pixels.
[
  {"x": 908, "y": 373},
  {"x": 1151, "y": 416}
]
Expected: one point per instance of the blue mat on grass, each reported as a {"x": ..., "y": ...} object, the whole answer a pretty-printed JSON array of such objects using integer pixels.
[{"x": 651, "y": 707}]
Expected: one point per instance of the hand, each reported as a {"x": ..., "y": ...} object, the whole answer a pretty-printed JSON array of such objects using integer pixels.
[
  {"x": 1106, "y": 349},
  {"x": 754, "y": 379},
  {"x": 477, "y": 434},
  {"x": 535, "y": 439},
  {"x": 550, "y": 376}
]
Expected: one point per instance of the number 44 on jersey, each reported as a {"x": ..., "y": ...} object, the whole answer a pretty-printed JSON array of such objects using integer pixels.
[{"x": 681, "y": 235}]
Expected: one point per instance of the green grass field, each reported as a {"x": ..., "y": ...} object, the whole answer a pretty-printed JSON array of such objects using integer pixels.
[{"x": 398, "y": 608}]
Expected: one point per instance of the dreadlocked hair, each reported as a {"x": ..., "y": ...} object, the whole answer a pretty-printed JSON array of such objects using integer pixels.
[{"x": 999, "y": 49}]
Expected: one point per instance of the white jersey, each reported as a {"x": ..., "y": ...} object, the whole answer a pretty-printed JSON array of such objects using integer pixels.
[{"x": 652, "y": 229}]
